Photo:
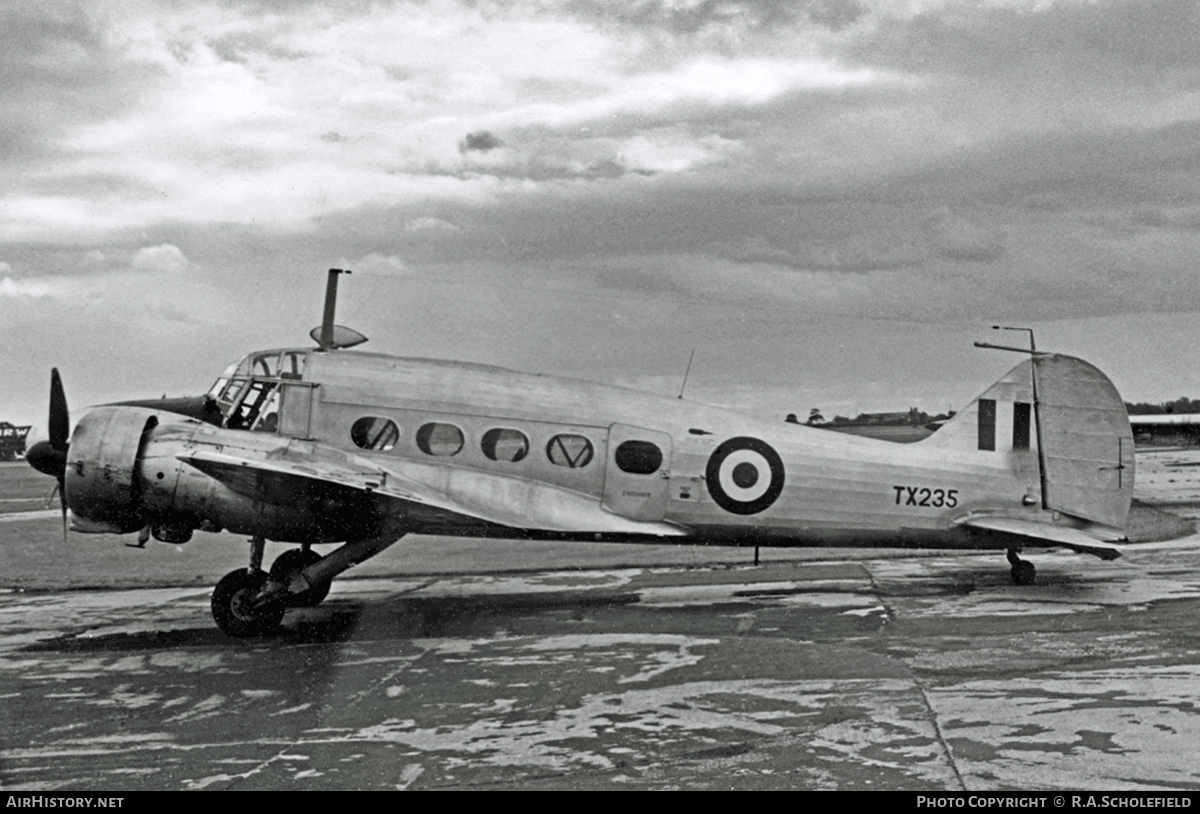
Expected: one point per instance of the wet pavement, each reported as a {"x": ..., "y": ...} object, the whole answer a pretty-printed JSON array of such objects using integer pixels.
[{"x": 888, "y": 672}]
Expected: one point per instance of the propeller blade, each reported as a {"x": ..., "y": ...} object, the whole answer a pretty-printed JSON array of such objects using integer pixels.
[
  {"x": 60, "y": 418},
  {"x": 50, "y": 457},
  {"x": 62, "y": 501}
]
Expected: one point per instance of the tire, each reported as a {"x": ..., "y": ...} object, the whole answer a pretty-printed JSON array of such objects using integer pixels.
[
  {"x": 288, "y": 563},
  {"x": 1023, "y": 573},
  {"x": 230, "y": 610}
]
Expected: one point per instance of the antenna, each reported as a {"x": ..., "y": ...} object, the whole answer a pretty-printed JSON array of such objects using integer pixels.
[
  {"x": 1032, "y": 345},
  {"x": 1037, "y": 403},
  {"x": 686, "y": 372},
  {"x": 326, "y": 340},
  {"x": 327, "y": 335}
]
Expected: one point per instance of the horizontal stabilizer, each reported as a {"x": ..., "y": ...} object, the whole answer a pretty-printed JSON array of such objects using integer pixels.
[{"x": 1044, "y": 534}]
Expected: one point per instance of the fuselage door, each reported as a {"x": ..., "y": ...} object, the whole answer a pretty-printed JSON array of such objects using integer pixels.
[{"x": 637, "y": 472}]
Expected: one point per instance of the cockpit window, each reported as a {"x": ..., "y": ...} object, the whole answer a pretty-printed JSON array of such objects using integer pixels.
[
  {"x": 256, "y": 397},
  {"x": 232, "y": 390},
  {"x": 264, "y": 365},
  {"x": 291, "y": 364},
  {"x": 268, "y": 414}
]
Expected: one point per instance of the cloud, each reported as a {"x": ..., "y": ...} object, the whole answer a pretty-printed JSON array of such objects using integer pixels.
[
  {"x": 430, "y": 226},
  {"x": 376, "y": 262},
  {"x": 957, "y": 238},
  {"x": 165, "y": 258},
  {"x": 483, "y": 141},
  {"x": 858, "y": 253},
  {"x": 931, "y": 159},
  {"x": 25, "y": 289},
  {"x": 1167, "y": 217}
]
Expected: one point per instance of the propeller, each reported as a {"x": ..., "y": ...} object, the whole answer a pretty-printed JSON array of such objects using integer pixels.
[{"x": 50, "y": 457}]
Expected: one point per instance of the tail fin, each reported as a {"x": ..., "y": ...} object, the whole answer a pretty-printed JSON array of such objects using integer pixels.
[{"x": 1069, "y": 432}]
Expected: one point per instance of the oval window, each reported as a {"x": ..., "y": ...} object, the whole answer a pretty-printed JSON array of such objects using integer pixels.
[
  {"x": 372, "y": 432},
  {"x": 638, "y": 458},
  {"x": 439, "y": 439},
  {"x": 509, "y": 446},
  {"x": 571, "y": 451}
]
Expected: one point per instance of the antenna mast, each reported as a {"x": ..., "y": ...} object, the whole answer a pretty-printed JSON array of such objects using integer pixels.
[
  {"x": 686, "y": 372},
  {"x": 326, "y": 340}
]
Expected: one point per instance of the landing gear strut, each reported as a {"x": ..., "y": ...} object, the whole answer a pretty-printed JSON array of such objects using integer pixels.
[
  {"x": 249, "y": 602},
  {"x": 287, "y": 567},
  {"x": 1023, "y": 572}
]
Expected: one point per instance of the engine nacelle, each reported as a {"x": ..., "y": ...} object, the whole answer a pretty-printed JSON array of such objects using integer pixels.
[
  {"x": 102, "y": 480},
  {"x": 124, "y": 473}
]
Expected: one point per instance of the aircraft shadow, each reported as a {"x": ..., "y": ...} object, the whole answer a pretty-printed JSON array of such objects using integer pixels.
[{"x": 344, "y": 620}]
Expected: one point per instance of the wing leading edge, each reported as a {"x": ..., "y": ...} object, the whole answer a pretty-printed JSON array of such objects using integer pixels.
[{"x": 500, "y": 499}]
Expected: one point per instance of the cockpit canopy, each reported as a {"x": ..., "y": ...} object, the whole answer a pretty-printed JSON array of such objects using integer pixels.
[{"x": 248, "y": 392}]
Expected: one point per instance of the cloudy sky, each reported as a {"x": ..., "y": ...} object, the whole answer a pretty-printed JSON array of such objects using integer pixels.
[{"x": 828, "y": 200}]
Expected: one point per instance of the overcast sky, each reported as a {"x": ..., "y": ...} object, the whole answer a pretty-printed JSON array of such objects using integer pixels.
[{"x": 829, "y": 200}]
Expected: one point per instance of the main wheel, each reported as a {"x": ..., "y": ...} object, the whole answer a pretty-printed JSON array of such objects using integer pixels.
[
  {"x": 291, "y": 561},
  {"x": 231, "y": 605}
]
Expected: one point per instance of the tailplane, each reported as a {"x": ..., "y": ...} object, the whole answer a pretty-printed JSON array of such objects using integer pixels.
[{"x": 1060, "y": 422}]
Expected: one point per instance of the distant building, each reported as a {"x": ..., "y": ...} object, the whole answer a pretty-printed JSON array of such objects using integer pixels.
[{"x": 12, "y": 441}]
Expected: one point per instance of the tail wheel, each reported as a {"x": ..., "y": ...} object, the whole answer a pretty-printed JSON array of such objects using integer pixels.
[
  {"x": 231, "y": 608},
  {"x": 287, "y": 564},
  {"x": 1023, "y": 573}
]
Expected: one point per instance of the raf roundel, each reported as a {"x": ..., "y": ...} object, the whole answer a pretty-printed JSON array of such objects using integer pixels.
[{"x": 744, "y": 475}]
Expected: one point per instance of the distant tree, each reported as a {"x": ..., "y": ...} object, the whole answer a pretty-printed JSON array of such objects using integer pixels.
[
  {"x": 1182, "y": 405},
  {"x": 815, "y": 417}
]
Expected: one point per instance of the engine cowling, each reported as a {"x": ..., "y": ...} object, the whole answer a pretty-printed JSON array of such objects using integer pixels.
[{"x": 103, "y": 485}]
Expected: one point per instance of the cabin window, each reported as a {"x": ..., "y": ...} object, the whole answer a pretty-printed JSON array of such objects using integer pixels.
[
  {"x": 571, "y": 451},
  {"x": 509, "y": 446},
  {"x": 638, "y": 458},
  {"x": 371, "y": 432},
  {"x": 987, "y": 424},
  {"x": 442, "y": 440}
]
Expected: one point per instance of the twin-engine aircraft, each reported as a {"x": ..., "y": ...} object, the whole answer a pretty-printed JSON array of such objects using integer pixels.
[{"x": 313, "y": 446}]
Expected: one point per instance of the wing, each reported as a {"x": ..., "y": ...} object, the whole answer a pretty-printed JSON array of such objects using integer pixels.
[
  {"x": 501, "y": 499},
  {"x": 1043, "y": 534}
]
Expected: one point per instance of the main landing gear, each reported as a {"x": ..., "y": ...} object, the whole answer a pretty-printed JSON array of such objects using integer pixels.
[
  {"x": 234, "y": 607},
  {"x": 1023, "y": 572},
  {"x": 287, "y": 567},
  {"x": 251, "y": 602}
]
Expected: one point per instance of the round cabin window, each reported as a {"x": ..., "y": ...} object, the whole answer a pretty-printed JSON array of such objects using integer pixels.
[
  {"x": 441, "y": 440},
  {"x": 570, "y": 451},
  {"x": 504, "y": 445},
  {"x": 372, "y": 432},
  {"x": 638, "y": 458}
]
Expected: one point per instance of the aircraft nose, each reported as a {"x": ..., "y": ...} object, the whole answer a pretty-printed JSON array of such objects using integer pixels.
[{"x": 43, "y": 457}]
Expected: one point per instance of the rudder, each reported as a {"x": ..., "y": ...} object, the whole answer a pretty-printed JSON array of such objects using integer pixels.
[{"x": 1060, "y": 422}]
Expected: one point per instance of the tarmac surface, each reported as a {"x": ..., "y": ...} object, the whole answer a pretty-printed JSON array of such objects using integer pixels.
[{"x": 819, "y": 669}]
